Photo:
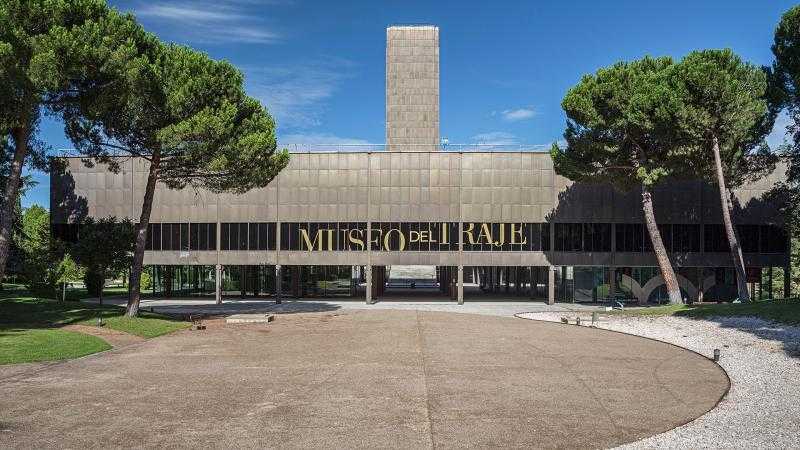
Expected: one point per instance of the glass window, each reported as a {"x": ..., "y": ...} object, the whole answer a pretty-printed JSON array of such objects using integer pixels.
[
  {"x": 184, "y": 239},
  {"x": 233, "y": 236},
  {"x": 285, "y": 240},
  {"x": 715, "y": 238},
  {"x": 773, "y": 239},
  {"x": 545, "y": 237},
  {"x": 252, "y": 236},
  {"x": 194, "y": 236},
  {"x": 212, "y": 236},
  {"x": 225, "y": 234},
  {"x": 242, "y": 236},
  {"x": 748, "y": 238}
]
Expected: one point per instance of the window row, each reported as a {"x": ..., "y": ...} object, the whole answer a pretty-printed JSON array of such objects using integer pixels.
[
  {"x": 181, "y": 236},
  {"x": 634, "y": 237},
  {"x": 582, "y": 237},
  {"x": 752, "y": 238},
  {"x": 248, "y": 236}
]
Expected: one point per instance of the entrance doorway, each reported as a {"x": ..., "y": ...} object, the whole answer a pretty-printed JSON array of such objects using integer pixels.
[{"x": 414, "y": 283}]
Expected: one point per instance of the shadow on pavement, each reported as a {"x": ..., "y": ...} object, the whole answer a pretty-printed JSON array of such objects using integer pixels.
[{"x": 244, "y": 307}]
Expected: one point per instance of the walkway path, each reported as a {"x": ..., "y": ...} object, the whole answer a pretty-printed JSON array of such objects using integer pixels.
[
  {"x": 355, "y": 379},
  {"x": 762, "y": 358}
]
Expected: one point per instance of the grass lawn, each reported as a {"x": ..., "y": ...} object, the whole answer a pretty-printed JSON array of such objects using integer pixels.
[
  {"x": 19, "y": 345},
  {"x": 29, "y": 327},
  {"x": 782, "y": 311}
]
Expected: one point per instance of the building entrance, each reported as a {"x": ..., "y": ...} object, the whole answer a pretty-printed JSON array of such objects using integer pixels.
[{"x": 414, "y": 283}]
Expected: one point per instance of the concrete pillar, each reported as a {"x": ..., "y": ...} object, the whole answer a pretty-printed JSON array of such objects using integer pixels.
[
  {"x": 787, "y": 282},
  {"x": 368, "y": 293},
  {"x": 551, "y": 285},
  {"x": 700, "y": 284},
  {"x": 769, "y": 286},
  {"x": 460, "y": 286},
  {"x": 278, "y": 284},
  {"x": 612, "y": 282},
  {"x": 218, "y": 284}
]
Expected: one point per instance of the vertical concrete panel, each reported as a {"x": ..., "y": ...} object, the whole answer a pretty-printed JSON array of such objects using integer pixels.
[{"x": 412, "y": 88}]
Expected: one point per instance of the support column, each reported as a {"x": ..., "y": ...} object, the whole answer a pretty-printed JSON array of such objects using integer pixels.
[
  {"x": 278, "y": 284},
  {"x": 612, "y": 282},
  {"x": 368, "y": 293},
  {"x": 218, "y": 284},
  {"x": 460, "y": 285},
  {"x": 769, "y": 293},
  {"x": 551, "y": 285},
  {"x": 700, "y": 284},
  {"x": 787, "y": 282}
]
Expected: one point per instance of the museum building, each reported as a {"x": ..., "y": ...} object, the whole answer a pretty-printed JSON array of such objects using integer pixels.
[{"x": 416, "y": 218}]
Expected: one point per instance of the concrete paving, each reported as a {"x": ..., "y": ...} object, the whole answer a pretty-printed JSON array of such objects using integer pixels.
[{"x": 350, "y": 378}]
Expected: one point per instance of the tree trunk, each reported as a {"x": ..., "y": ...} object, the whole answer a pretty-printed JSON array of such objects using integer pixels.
[
  {"x": 20, "y": 135},
  {"x": 63, "y": 292},
  {"x": 141, "y": 238},
  {"x": 670, "y": 280},
  {"x": 102, "y": 286},
  {"x": 730, "y": 231}
]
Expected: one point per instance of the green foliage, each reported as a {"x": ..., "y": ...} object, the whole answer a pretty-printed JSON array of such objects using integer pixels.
[
  {"x": 782, "y": 311},
  {"x": 94, "y": 282},
  {"x": 67, "y": 271},
  {"x": 44, "y": 50},
  {"x": 785, "y": 73},
  {"x": 619, "y": 125},
  {"x": 785, "y": 89},
  {"x": 41, "y": 256},
  {"x": 104, "y": 248},
  {"x": 722, "y": 97},
  {"x": 146, "y": 281},
  {"x": 186, "y": 112}
]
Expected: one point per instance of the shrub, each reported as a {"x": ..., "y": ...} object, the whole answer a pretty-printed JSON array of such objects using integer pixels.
[
  {"x": 94, "y": 283},
  {"x": 146, "y": 282}
]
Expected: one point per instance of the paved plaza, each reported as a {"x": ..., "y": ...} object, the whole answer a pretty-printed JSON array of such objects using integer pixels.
[{"x": 354, "y": 378}]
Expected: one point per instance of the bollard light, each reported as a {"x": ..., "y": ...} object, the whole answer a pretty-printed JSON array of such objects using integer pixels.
[{"x": 716, "y": 355}]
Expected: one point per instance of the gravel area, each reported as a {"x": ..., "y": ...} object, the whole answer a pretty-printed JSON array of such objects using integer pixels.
[{"x": 762, "y": 409}]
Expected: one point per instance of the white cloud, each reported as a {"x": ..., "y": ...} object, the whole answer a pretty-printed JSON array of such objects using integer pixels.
[
  {"x": 320, "y": 138},
  {"x": 495, "y": 138},
  {"x": 501, "y": 140},
  {"x": 207, "y": 21},
  {"x": 324, "y": 141},
  {"x": 515, "y": 115},
  {"x": 296, "y": 94},
  {"x": 779, "y": 134}
]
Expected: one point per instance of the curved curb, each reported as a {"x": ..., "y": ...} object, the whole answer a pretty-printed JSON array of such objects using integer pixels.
[{"x": 721, "y": 398}]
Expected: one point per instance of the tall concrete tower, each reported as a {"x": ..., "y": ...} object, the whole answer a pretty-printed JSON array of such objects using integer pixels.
[{"x": 412, "y": 88}]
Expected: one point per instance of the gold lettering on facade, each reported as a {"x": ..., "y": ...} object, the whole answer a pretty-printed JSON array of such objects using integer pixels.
[
  {"x": 445, "y": 238},
  {"x": 485, "y": 234},
  {"x": 374, "y": 237},
  {"x": 307, "y": 241},
  {"x": 401, "y": 240},
  {"x": 516, "y": 230},
  {"x": 356, "y": 237},
  {"x": 468, "y": 232}
]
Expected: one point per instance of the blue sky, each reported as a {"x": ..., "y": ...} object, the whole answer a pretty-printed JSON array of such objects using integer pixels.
[{"x": 318, "y": 66}]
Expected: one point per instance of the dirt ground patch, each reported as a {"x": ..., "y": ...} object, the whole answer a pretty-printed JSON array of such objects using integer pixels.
[
  {"x": 365, "y": 379},
  {"x": 115, "y": 338}
]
